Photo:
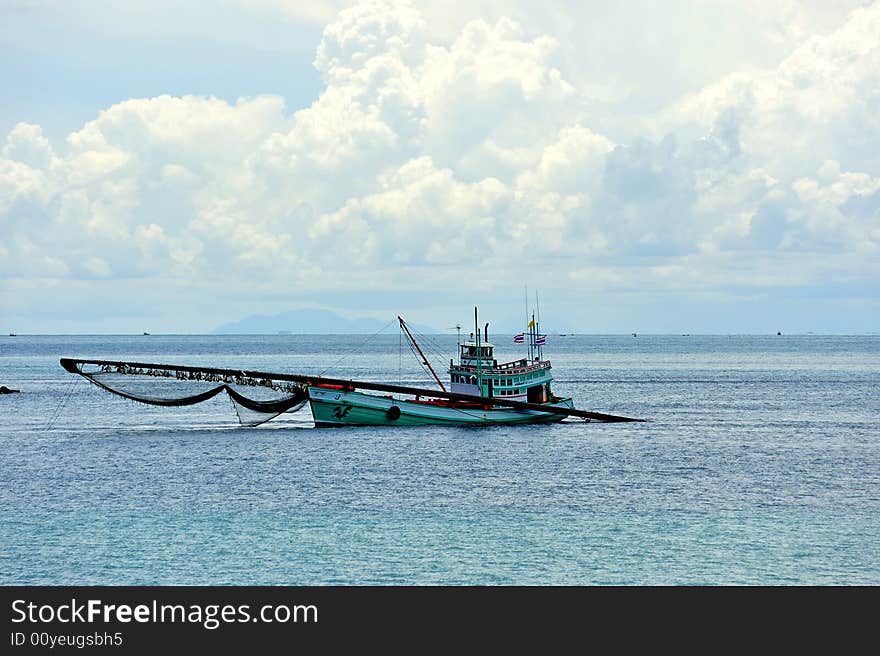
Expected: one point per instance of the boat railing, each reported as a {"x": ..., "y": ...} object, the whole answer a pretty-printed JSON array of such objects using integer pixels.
[
  {"x": 513, "y": 365},
  {"x": 505, "y": 368}
]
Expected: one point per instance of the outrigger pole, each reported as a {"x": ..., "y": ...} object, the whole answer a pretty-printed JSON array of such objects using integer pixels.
[
  {"x": 425, "y": 361},
  {"x": 73, "y": 366}
]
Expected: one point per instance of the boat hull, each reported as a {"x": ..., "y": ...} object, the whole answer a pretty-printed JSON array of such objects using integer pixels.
[{"x": 348, "y": 408}]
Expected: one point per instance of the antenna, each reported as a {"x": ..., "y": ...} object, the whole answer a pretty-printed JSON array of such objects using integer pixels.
[
  {"x": 538, "y": 328},
  {"x": 457, "y": 328},
  {"x": 479, "y": 354},
  {"x": 538, "y": 306},
  {"x": 529, "y": 342}
]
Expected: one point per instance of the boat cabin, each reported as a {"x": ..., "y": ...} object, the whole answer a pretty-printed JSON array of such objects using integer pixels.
[
  {"x": 479, "y": 373},
  {"x": 472, "y": 354}
]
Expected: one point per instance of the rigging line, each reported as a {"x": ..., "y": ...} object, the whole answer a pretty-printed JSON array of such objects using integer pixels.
[
  {"x": 433, "y": 348},
  {"x": 470, "y": 414},
  {"x": 432, "y": 343},
  {"x": 436, "y": 351},
  {"x": 235, "y": 407},
  {"x": 423, "y": 359},
  {"x": 61, "y": 405},
  {"x": 347, "y": 355},
  {"x": 421, "y": 364}
]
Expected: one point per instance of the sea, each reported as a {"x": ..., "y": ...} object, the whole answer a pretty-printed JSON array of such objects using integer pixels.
[{"x": 760, "y": 464}]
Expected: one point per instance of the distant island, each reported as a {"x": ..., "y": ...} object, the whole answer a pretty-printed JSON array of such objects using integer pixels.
[{"x": 309, "y": 321}]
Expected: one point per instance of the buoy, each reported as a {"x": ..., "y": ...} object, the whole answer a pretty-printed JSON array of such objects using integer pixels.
[{"x": 393, "y": 413}]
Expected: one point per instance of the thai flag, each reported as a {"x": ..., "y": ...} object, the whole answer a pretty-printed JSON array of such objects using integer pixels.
[
  {"x": 541, "y": 340},
  {"x": 519, "y": 339}
]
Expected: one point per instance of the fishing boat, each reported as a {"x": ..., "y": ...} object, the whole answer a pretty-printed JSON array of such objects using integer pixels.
[
  {"x": 481, "y": 390},
  {"x": 477, "y": 375}
]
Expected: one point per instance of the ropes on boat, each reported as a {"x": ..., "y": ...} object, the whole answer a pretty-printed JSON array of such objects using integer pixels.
[
  {"x": 358, "y": 348},
  {"x": 61, "y": 405}
]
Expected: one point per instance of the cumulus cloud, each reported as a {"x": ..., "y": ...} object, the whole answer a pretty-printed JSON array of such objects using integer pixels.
[
  {"x": 821, "y": 102},
  {"x": 475, "y": 156}
]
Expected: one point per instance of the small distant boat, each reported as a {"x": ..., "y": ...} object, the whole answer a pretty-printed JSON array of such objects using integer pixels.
[
  {"x": 12, "y": 334},
  {"x": 146, "y": 333},
  {"x": 480, "y": 389}
]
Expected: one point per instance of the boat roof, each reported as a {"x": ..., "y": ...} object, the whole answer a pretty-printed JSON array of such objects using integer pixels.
[{"x": 473, "y": 343}]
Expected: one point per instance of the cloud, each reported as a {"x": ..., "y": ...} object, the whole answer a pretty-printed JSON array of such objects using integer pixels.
[
  {"x": 820, "y": 103},
  {"x": 427, "y": 162}
]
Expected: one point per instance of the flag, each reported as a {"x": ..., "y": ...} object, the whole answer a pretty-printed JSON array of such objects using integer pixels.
[
  {"x": 519, "y": 339},
  {"x": 531, "y": 324},
  {"x": 542, "y": 339}
]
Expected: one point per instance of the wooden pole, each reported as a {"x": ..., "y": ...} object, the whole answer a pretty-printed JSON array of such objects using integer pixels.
[{"x": 419, "y": 349}]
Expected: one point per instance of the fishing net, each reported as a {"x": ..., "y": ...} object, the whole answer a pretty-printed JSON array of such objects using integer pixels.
[{"x": 256, "y": 400}]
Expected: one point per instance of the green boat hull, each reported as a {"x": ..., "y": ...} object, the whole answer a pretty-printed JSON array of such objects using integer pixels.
[{"x": 348, "y": 408}]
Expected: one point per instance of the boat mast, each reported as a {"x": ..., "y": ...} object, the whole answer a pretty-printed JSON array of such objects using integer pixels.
[
  {"x": 532, "y": 345},
  {"x": 538, "y": 328},
  {"x": 413, "y": 341},
  {"x": 527, "y": 322},
  {"x": 479, "y": 355}
]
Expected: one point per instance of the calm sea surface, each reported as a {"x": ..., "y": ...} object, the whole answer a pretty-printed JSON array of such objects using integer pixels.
[{"x": 761, "y": 465}]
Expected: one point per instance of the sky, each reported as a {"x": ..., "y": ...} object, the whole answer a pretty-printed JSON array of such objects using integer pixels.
[{"x": 702, "y": 166}]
